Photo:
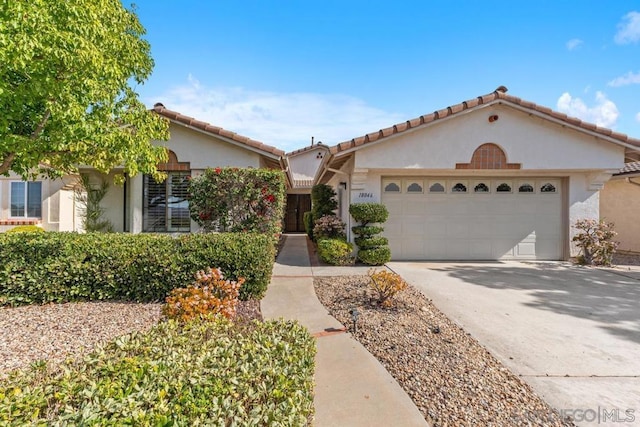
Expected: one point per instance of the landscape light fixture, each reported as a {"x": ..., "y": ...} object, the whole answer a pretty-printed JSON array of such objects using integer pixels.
[{"x": 354, "y": 317}]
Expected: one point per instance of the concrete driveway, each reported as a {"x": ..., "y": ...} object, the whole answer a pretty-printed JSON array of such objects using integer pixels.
[{"x": 572, "y": 333}]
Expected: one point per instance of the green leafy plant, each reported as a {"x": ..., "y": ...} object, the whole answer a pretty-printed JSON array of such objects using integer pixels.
[
  {"x": 210, "y": 295},
  {"x": 371, "y": 242},
  {"x": 595, "y": 239},
  {"x": 62, "y": 267},
  {"x": 89, "y": 197},
  {"x": 329, "y": 226},
  {"x": 375, "y": 256},
  {"x": 176, "y": 374},
  {"x": 67, "y": 72},
  {"x": 335, "y": 251},
  {"x": 26, "y": 229},
  {"x": 323, "y": 201},
  {"x": 239, "y": 200},
  {"x": 308, "y": 223},
  {"x": 366, "y": 213},
  {"x": 386, "y": 285},
  {"x": 373, "y": 250}
]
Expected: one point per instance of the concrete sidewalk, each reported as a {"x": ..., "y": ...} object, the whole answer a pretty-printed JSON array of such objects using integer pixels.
[{"x": 352, "y": 387}]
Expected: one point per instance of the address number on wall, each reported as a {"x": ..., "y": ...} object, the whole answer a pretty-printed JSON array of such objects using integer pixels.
[{"x": 365, "y": 195}]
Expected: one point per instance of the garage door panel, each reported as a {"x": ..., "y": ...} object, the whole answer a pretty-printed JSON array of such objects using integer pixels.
[{"x": 448, "y": 226}]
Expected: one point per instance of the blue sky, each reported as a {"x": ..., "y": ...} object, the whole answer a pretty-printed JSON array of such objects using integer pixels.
[{"x": 283, "y": 71}]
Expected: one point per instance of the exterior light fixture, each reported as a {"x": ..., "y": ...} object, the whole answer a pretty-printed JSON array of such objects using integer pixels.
[{"x": 354, "y": 318}]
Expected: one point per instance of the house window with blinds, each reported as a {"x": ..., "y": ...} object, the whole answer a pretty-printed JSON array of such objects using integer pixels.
[{"x": 165, "y": 204}]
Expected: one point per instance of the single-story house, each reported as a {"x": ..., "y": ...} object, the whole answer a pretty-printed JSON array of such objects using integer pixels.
[
  {"x": 141, "y": 204},
  {"x": 620, "y": 204},
  {"x": 494, "y": 177}
]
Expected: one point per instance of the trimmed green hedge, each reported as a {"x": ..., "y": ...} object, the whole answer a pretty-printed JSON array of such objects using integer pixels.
[
  {"x": 375, "y": 256},
  {"x": 371, "y": 242},
  {"x": 201, "y": 373},
  {"x": 39, "y": 268},
  {"x": 367, "y": 230},
  {"x": 335, "y": 251},
  {"x": 25, "y": 229}
]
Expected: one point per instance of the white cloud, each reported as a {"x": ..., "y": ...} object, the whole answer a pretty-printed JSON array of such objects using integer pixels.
[
  {"x": 638, "y": 117},
  {"x": 574, "y": 44},
  {"x": 628, "y": 28},
  {"x": 604, "y": 113},
  {"x": 626, "y": 79},
  {"x": 284, "y": 120}
]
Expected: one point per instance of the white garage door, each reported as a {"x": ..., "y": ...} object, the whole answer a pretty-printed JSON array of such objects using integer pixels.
[{"x": 473, "y": 219}]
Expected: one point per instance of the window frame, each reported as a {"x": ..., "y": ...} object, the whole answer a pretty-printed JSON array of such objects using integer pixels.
[
  {"x": 25, "y": 200},
  {"x": 168, "y": 187}
]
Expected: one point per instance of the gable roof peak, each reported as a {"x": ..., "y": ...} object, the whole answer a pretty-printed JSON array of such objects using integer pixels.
[
  {"x": 497, "y": 96},
  {"x": 252, "y": 144}
]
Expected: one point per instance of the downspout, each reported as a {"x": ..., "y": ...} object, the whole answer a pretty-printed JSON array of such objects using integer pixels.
[{"x": 632, "y": 182}]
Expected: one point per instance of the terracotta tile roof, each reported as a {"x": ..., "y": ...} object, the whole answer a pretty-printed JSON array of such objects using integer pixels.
[
  {"x": 209, "y": 128},
  {"x": 499, "y": 95},
  {"x": 307, "y": 148},
  {"x": 633, "y": 167}
]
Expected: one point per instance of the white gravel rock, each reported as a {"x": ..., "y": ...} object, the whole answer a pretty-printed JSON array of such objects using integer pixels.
[
  {"x": 55, "y": 332},
  {"x": 452, "y": 379}
]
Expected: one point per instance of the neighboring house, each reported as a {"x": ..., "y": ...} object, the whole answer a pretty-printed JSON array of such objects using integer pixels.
[
  {"x": 141, "y": 204},
  {"x": 620, "y": 204},
  {"x": 494, "y": 177}
]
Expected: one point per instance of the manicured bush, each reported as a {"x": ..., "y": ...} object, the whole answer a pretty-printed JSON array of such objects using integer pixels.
[
  {"x": 375, "y": 256},
  {"x": 329, "y": 227},
  {"x": 373, "y": 250},
  {"x": 238, "y": 200},
  {"x": 595, "y": 239},
  {"x": 307, "y": 218},
  {"x": 335, "y": 251},
  {"x": 60, "y": 267},
  {"x": 386, "y": 285},
  {"x": 198, "y": 373},
  {"x": 323, "y": 201},
  {"x": 366, "y": 213},
  {"x": 26, "y": 229},
  {"x": 371, "y": 242},
  {"x": 210, "y": 295},
  {"x": 367, "y": 230}
]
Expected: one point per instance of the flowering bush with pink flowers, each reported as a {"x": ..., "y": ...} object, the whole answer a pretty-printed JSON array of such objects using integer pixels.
[
  {"x": 238, "y": 200},
  {"x": 595, "y": 239}
]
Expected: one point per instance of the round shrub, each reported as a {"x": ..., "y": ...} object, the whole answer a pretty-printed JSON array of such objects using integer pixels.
[
  {"x": 365, "y": 213},
  {"x": 335, "y": 251},
  {"x": 329, "y": 226},
  {"x": 371, "y": 242},
  {"x": 375, "y": 256},
  {"x": 366, "y": 230}
]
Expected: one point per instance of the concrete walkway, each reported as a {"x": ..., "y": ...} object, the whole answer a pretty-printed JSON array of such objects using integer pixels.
[{"x": 352, "y": 387}]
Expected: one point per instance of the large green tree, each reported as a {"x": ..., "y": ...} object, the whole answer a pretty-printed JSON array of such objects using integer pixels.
[{"x": 66, "y": 73}]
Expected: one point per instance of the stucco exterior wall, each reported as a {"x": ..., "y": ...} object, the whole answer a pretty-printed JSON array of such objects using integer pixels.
[
  {"x": 620, "y": 204},
  {"x": 56, "y": 202},
  {"x": 203, "y": 150},
  {"x": 535, "y": 143},
  {"x": 304, "y": 166}
]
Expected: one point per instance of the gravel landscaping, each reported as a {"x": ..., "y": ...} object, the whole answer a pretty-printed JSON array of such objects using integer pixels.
[
  {"x": 55, "y": 332},
  {"x": 452, "y": 379}
]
